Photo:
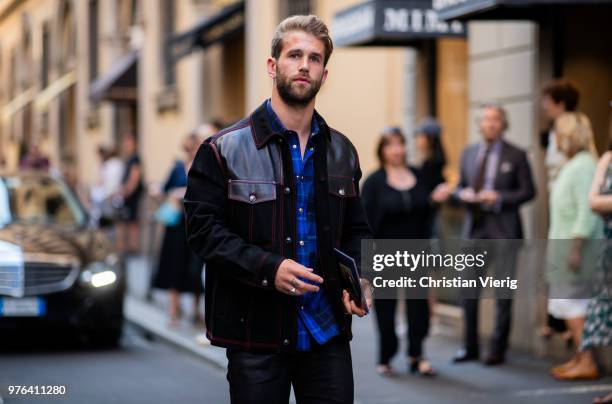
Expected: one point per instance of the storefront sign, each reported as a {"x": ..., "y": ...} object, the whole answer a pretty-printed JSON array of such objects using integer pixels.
[
  {"x": 389, "y": 22},
  {"x": 465, "y": 9}
]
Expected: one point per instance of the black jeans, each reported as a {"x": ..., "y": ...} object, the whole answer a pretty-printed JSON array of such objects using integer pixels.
[
  {"x": 321, "y": 375},
  {"x": 417, "y": 318}
]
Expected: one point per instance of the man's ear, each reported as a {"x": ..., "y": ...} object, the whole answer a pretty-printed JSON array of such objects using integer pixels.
[
  {"x": 325, "y": 72},
  {"x": 271, "y": 62}
]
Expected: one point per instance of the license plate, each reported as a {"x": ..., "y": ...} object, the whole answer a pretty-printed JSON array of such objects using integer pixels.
[{"x": 24, "y": 307}]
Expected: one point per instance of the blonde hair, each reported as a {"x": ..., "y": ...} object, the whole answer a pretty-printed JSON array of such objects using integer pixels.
[
  {"x": 311, "y": 24},
  {"x": 575, "y": 133}
]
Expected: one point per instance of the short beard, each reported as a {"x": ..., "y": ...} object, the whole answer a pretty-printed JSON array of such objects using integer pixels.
[{"x": 288, "y": 95}]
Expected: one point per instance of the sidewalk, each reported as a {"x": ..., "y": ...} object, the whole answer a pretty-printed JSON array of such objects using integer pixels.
[
  {"x": 151, "y": 315},
  {"x": 523, "y": 379}
]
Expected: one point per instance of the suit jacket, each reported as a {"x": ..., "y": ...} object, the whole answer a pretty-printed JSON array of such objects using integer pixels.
[{"x": 514, "y": 184}]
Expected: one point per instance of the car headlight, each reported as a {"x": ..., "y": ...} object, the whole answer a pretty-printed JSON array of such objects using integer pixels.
[{"x": 100, "y": 274}]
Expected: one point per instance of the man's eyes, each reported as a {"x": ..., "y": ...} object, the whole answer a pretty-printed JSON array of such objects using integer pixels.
[{"x": 315, "y": 59}]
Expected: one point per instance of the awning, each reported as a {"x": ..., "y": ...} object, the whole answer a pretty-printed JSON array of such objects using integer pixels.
[
  {"x": 391, "y": 22},
  {"x": 220, "y": 27},
  {"x": 505, "y": 9},
  {"x": 119, "y": 83},
  {"x": 17, "y": 104},
  {"x": 54, "y": 89}
]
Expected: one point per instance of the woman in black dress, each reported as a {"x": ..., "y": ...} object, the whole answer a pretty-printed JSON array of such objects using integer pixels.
[
  {"x": 179, "y": 269},
  {"x": 428, "y": 141},
  {"x": 397, "y": 202},
  {"x": 132, "y": 188}
]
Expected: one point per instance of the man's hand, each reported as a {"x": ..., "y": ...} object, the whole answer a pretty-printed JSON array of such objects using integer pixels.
[
  {"x": 488, "y": 197},
  {"x": 467, "y": 195},
  {"x": 368, "y": 291},
  {"x": 288, "y": 279},
  {"x": 349, "y": 306}
]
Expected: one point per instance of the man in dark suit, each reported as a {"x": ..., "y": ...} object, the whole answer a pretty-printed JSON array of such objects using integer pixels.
[{"x": 495, "y": 181}]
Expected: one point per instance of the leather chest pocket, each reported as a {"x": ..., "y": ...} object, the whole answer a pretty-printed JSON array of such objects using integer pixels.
[
  {"x": 340, "y": 189},
  {"x": 253, "y": 211}
]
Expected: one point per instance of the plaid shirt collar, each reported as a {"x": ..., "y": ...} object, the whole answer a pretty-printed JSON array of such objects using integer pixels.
[{"x": 277, "y": 125}]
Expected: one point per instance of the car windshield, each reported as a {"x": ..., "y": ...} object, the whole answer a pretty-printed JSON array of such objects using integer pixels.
[{"x": 38, "y": 199}]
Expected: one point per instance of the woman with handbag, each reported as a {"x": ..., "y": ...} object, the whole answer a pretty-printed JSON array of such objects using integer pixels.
[{"x": 179, "y": 269}]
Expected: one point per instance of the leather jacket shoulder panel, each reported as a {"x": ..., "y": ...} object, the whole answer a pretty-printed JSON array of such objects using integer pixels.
[
  {"x": 241, "y": 158},
  {"x": 341, "y": 155},
  {"x": 245, "y": 162},
  {"x": 342, "y": 165}
]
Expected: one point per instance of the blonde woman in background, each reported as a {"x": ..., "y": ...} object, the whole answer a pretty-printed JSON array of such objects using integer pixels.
[{"x": 572, "y": 225}]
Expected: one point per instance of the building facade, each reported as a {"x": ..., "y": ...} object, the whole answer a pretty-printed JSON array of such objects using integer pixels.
[
  {"x": 77, "y": 74},
  {"x": 81, "y": 73}
]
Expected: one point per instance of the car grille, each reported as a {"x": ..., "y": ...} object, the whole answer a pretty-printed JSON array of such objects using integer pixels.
[{"x": 36, "y": 278}]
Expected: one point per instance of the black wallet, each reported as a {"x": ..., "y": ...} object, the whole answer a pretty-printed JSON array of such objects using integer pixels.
[{"x": 349, "y": 278}]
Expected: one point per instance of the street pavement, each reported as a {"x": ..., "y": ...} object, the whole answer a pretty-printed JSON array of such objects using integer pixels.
[
  {"x": 139, "y": 372},
  {"x": 523, "y": 379},
  {"x": 163, "y": 363}
]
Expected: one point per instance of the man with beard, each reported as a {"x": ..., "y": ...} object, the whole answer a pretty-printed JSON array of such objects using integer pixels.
[{"x": 268, "y": 199}]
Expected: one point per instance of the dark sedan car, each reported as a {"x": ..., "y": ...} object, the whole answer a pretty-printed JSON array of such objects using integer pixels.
[{"x": 56, "y": 269}]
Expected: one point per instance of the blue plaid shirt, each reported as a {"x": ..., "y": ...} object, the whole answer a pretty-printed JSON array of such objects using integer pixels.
[{"x": 315, "y": 316}]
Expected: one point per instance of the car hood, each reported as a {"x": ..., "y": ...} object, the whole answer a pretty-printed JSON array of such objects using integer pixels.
[{"x": 45, "y": 242}]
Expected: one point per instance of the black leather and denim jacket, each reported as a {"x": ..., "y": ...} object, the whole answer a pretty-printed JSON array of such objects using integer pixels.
[{"x": 240, "y": 217}]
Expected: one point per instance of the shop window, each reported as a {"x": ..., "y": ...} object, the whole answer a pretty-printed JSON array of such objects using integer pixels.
[
  {"x": 167, "y": 97},
  {"x": 45, "y": 62},
  {"x": 129, "y": 32},
  {"x": 93, "y": 39},
  {"x": 167, "y": 25},
  {"x": 13, "y": 75},
  {"x": 127, "y": 14},
  {"x": 67, "y": 38},
  {"x": 25, "y": 71}
]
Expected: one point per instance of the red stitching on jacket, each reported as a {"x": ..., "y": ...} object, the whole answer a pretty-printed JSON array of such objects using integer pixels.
[
  {"x": 218, "y": 158},
  {"x": 228, "y": 130}
]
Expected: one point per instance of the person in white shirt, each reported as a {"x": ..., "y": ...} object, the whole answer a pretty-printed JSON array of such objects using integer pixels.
[{"x": 109, "y": 181}]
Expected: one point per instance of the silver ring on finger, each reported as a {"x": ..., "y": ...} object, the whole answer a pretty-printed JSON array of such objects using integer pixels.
[
  {"x": 292, "y": 290},
  {"x": 294, "y": 282}
]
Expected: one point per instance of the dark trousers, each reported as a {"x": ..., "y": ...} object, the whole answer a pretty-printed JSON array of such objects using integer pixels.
[
  {"x": 321, "y": 375},
  {"x": 501, "y": 332},
  {"x": 417, "y": 318},
  {"x": 505, "y": 266}
]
